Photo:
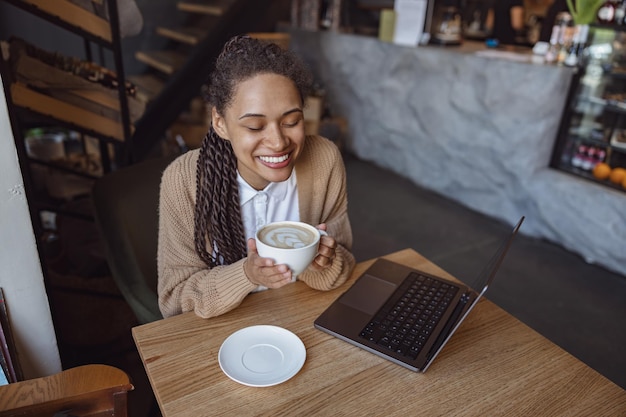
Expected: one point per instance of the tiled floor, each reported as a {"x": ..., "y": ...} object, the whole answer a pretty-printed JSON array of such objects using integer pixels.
[{"x": 578, "y": 306}]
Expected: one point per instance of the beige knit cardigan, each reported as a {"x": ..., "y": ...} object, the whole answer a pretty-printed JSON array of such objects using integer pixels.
[{"x": 186, "y": 283}]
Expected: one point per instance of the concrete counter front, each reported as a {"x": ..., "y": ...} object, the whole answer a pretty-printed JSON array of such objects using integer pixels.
[{"x": 478, "y": 130}]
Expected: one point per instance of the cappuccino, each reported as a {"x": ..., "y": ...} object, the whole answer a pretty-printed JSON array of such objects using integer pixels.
[{"x": 287, "y": 236}]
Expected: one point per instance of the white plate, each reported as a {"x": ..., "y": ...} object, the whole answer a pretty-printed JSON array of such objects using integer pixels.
[{"x": 261, "y": 356}]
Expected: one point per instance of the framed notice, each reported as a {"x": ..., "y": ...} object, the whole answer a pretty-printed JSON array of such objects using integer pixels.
[{"x": 411, "y": 20}]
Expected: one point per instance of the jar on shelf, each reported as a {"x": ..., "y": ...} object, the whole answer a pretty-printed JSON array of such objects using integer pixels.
[{"x": 606, "y": 12}]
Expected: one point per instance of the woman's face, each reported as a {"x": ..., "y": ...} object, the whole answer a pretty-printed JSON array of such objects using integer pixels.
[{"x": 265, "y": 126}]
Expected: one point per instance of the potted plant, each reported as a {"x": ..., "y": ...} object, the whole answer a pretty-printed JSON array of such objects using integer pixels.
[{"x": 584, "y": 11}]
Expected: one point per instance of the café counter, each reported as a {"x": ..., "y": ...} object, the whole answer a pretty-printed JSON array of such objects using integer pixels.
[{"x": 474, "y": 125}]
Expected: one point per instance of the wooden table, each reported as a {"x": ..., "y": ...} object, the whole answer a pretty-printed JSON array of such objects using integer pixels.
[{"x": 493, "y": 365}]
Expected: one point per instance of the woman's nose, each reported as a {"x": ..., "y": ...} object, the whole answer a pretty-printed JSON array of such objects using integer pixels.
[{"x": 276, "y": 139}]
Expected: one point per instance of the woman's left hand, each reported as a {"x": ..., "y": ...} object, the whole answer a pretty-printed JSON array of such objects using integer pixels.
[{"x": 326, "y": 252}]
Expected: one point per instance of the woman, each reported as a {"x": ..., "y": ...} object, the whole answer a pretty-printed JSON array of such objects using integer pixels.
[{"x": 255, "y": 166}]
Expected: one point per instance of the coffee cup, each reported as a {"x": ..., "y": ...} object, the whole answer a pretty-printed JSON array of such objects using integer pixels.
[{"x": 294, "y": 244}]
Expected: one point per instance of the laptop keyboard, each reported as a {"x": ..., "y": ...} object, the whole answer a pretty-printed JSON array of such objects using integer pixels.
[{"x": 405, "y": 322}]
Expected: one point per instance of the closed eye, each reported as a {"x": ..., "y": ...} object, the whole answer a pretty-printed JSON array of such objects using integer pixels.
[{"x": 292, "y": 123}]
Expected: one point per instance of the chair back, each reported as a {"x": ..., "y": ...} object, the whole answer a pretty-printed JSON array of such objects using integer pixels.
[
  {"x": 126, "y": 210},
  {"x": 89, "y": 390}
]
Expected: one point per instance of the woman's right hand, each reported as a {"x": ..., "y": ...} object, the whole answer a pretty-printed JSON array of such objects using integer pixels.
[{"x": 263, "y": 271}]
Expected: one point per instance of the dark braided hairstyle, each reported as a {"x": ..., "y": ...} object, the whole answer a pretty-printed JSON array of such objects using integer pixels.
[{"x": 217, "y": 212}]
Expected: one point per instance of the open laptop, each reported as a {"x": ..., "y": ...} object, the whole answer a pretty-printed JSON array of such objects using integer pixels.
[{"x": 403, "y": 314}]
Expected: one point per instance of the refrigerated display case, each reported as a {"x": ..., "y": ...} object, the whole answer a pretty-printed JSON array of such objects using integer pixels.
[{"x": 593, "y": 128}]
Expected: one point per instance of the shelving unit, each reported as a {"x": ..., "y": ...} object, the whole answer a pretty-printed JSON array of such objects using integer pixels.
[
  {"x": 91, "y": 28},
  {"x": 593, "y": 128},
  {"x": 42, "y": 95}
]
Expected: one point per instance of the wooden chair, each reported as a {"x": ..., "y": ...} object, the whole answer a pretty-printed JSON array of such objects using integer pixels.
[{"x": 89, "y": 390}]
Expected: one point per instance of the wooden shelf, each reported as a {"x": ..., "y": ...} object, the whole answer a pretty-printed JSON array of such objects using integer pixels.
[
  {"x": 64, "y": 168},
  {"x": 73, "y": 89},
  {"x": 24, "y": 97},
  {"x": 69, "y": 15}
]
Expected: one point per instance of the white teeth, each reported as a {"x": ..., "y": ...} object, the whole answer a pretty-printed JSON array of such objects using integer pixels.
[{"x": 274, "y": 159}]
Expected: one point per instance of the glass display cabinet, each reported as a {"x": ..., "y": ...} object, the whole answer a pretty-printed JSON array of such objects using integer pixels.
[{"x": 592, "y": 137}]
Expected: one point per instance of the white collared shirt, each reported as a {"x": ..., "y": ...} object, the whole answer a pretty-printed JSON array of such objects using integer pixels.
[{"x": 276, "y": 202}]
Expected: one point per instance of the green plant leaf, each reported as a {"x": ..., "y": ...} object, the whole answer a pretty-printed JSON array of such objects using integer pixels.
[{"x": 584, "y": 11}]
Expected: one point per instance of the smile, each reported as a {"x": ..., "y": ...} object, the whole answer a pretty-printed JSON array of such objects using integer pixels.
[{"x": 274, "y": 159}]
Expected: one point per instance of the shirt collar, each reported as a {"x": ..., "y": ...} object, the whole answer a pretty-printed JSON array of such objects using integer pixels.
[{"x": 275, "y": 190}]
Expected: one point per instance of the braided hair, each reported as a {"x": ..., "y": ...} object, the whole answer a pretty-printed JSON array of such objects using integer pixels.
[{"x": 218, "y": 228}]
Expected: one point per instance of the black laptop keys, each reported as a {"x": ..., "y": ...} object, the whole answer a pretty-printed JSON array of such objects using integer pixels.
[{"x": 404, "y": 323}]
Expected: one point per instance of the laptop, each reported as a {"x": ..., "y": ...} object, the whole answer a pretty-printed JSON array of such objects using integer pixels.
[{"x": 403, "y": 314}]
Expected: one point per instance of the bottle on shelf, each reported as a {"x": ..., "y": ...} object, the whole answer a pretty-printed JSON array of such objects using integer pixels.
[
  {"x": 577, "y": 45},
  {"x": 586, "y": 157},
  {"x": 606, "y": 12},
  {"x": 577, "y": 158},
  {"x": 557, "y": 37},
  {"x": 589, "y": 160},
  {"x": 620, "y": 13},
  {"x": 566, "y": 43}
]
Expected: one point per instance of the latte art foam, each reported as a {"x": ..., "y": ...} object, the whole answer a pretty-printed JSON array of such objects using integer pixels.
[{"x": 287, "y": 236}]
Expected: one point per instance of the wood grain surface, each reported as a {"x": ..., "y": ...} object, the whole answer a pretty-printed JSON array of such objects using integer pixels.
[
  {"x": 493, "y": 365},
  {"x": 89, "y": 390}
]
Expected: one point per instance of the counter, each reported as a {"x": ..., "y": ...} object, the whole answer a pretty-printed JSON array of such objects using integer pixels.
[{"x": 477, "y": 129}]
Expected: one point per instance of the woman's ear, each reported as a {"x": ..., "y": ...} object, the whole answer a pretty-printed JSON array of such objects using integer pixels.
[{"x": 219, "y": 124}]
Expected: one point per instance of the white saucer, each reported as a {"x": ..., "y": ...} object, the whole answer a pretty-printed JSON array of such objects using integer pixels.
[{"x": 261, "y": 356}]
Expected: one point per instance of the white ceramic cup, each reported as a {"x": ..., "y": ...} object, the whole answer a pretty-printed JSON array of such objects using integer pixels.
[{"x": 294, "y": 244}]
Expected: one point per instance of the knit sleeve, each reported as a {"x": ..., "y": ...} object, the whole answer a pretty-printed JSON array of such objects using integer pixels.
[
  {"x": 185, "y": 282},
  {"x": 324, "y": 199}
]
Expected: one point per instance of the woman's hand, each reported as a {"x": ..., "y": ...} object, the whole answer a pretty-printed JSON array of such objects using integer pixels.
[
  {"x": 263, "y": 271},
  {"x": 326, "y": 251}
]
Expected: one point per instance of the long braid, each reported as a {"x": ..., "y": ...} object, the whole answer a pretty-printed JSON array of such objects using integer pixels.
[
  {"x": 219, "y": 236},
  {"x": 217, "y": 211}
]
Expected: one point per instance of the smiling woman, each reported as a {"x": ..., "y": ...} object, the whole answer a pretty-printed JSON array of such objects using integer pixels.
[
  {"x": 255, "y": 166},
  {"x": 267, "y": 140}
]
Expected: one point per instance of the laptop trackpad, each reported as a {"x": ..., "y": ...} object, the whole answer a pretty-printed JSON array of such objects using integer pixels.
[{"x": 368, "y": 294}]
